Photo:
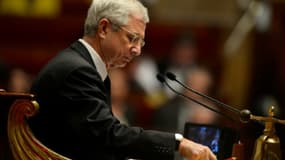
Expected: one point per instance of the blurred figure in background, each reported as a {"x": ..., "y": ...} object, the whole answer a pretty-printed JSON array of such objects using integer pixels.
[
  {"x": 172, "y": 115},
  {"x": 119, "y": 94},
  {"x": 145, "y": 76},
  {"x": 146, "y": 92},
  {"x": 201, "y": 80},
  {"x": 182, "y": 57},
  {"x": 19, "y": 80}
]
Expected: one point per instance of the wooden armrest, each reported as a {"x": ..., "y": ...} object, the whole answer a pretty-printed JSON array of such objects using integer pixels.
[{"x": 24, "y": 145}]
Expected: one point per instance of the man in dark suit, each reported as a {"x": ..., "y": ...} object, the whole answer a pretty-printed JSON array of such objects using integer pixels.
[{"x": 73, "y": 90}]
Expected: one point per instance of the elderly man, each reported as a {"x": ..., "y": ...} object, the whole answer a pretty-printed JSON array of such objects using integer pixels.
[{"x": 73, "y": 91}]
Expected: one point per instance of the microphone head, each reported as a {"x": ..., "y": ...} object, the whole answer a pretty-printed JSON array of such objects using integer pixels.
[
  {"x": 160, "y": 77},
  {"x": 171, "y": 76},
  {"x": 245, "y": 115}
]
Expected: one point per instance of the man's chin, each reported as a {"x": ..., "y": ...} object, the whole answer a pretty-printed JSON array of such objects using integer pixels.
[{"x": 118, "y": 66}]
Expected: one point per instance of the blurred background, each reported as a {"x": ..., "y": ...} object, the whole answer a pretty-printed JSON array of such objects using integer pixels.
[{"x": 239, "y": 42}]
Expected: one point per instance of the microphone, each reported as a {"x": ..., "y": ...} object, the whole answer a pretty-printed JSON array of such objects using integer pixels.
[
  {"x": 245, "y": 114},
  {"x": 161, "y": 78}
]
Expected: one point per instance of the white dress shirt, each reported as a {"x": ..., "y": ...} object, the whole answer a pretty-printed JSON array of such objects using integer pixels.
[{"x": 99, "y": 63}]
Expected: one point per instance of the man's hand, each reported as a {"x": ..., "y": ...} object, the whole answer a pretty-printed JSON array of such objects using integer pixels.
[{"x": 194, "y": 151}]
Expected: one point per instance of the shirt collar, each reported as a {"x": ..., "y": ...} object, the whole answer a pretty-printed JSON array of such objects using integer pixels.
[{"x": 99, "y": 63}]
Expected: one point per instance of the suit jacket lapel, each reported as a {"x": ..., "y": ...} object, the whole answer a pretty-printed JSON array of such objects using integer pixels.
[{"x": 80, "y": 48}]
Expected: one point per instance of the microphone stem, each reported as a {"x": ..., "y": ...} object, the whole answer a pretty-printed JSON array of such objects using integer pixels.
[
  {"x": 202, "y": 104},
  {"x": 211, "y": 99}
]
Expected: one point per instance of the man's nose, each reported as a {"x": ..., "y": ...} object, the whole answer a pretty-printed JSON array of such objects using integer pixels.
[{"x": 136, "y": 51}]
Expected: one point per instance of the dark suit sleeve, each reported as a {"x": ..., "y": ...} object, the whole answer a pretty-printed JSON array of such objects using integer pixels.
[{"x": 90, "y": 116}]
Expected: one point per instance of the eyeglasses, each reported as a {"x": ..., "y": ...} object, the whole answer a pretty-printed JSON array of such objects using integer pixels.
[{"x": 133, "y": 37}]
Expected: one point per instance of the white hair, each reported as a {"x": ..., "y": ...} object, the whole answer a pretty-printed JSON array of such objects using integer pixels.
[{"x": 117, "y": 11}]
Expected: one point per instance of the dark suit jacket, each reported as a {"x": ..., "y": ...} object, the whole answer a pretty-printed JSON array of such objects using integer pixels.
[{"x": 75, "y": 117}]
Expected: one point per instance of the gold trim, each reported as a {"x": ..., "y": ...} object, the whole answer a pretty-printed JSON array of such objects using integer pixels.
[{"x": 23, "y": 144}]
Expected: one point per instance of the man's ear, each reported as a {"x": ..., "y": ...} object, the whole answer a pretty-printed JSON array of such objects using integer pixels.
[{"x": 103, "y": 27}]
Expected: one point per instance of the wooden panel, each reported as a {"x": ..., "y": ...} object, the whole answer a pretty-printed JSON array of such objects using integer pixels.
[{"x": 222, "y": 13}]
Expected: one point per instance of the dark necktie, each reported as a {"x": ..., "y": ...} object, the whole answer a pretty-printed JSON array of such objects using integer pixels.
[{"x": 107, "y": 84}]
